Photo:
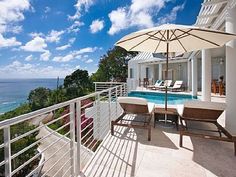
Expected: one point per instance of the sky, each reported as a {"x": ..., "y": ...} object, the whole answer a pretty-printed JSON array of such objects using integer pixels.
[{"x": 50, "y": 38}]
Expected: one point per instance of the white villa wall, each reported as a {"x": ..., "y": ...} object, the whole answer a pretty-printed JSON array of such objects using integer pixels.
[{"x": 180, "y": 71}]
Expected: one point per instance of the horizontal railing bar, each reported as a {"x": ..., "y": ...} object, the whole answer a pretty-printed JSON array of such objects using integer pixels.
[
  {"x": 2, "y": 163},
  {"x": 62, "y": 166},
  {"x": 85, "y": 106},
  {"x": 66, "y": 171},
  {"x": 38, "y": 128},
  {"x": 84, "y": 143},
  {"x": 35, "y": 156},
  {"x": 55, "y": 163},
  {"x": 82, "y": 138},
  {"x": 87, "y": 126},
  {"x": 2, "y": 145},
  {"x": 36, "y": 142},
  {"x": 92, "y": 147},
  {"x": 47, "y": 159},
  {"x": 30, "y": 115},
  {"x": 92, "y": 140},
  {"x": 109, "y": 82}
]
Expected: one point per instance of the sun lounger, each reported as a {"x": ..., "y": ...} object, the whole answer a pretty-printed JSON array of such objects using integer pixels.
[
  {"x": 166, "y": 83},
  {"x": 177, "y": 86},
  {"x": 157, "y": 84},
  {"x": 203, "y": 112},
  {"x": 137, "y": 113}
]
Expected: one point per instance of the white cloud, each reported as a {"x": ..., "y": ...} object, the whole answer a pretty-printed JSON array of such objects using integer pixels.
[
  {"x": 119, "y": 20},
  {"x": 66, "y": 58},
  {"x": 54, "y": 36},
  {"x": 75, "y": 54},
  {"x": 64, "y": 47},
  {"x": 139, "y": 14},
  {"x": 89, "y": 61},
  {"x": 78, "y": 67},
  {"x": 47, "y": 9},
  {"x": 29, "y": 58},
  {"x": 4, "y": 42},
  {"x": 35, "y": 45},
  {"x": 75, "y": 27},
  {"x": 97, "y": 25},
  {"x": 35, "y": 34},
  {"x": 25, "y": 70},
  {"x": 16, "y": 29},
  {"x": 85, "y": 50},
  {"x": 11, "y": 11},
  {"x": 81, "y": 6},
  {"x": 45, "y": 56},
  {"x": 72, "y": 40},
  {"x": 172, "y": 15}
]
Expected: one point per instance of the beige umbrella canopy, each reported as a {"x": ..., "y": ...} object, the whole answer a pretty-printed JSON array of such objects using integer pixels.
[{"x": 173, "y": 38}]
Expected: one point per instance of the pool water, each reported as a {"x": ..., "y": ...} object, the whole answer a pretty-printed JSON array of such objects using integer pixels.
[{"x": 159, "y": 98}]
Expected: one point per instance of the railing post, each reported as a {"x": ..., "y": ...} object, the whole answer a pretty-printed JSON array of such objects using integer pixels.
[
  {"x": 109, "y": 106},
  {"x": 116, "y": 100},
  {"x": 95, "y": 85},
  {"x": 78, "y": 136},
  {"x": 98, "y": 115},
  {"x": 72, "y": 138},
  {"x": 7, "y": 150},
  {"x": 125, "y": 89},
  {"x": 120, "y": 90}
]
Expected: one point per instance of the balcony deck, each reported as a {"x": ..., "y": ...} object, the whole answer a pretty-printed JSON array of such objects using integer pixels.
[{"x": 128, "y": 153}]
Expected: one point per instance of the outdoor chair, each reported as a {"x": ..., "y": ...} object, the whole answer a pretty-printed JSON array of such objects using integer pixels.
[
  {"x": 144, "y": 83},
  {"x": 137, "y": 113},
  {"x": 157, "y": 84},
  {"x": 177, "y": 86},
  {"x": 162, "y": 87},
  {"x": 203, "y": 112}
]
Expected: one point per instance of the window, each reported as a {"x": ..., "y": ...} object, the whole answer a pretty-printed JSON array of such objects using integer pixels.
[
  {"x": 131, "y": 73},
  {"x": 147, "y": 72}
]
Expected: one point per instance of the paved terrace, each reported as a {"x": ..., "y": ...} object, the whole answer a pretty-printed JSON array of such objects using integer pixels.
[{"x": 129, "y": 154}]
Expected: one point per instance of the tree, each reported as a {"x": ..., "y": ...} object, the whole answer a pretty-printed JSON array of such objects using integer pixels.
[
  {"x": 39, "y": 98},
  {"x": 77, "y": 84},
  {"x": 113, "y": 65}
]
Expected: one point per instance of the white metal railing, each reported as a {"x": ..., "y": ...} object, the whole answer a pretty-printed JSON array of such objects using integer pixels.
[
  {"x": 105, "y": 85},
  {"x": 65, "y": 146}
]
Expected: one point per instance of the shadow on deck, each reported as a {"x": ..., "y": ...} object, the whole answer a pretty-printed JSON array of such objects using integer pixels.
[{"x": 128, "y": 154}]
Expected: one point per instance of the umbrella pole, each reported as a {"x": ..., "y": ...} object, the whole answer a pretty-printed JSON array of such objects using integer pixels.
[{"x": 167, "y": 68}]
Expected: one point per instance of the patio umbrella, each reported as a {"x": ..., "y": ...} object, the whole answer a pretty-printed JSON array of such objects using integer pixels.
[{"x": 173, "y": 38}]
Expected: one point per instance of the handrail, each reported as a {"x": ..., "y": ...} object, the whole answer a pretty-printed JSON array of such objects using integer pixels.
[
  {"x": 42, "y": 111},
  {"x": 94, "y": 120}
]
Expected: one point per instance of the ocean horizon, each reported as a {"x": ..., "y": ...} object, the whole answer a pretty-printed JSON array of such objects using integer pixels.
[{"x": 14, "y": 92}]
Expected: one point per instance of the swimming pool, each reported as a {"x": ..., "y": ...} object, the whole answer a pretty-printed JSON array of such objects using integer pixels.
[{"x": 159, "y": 98}]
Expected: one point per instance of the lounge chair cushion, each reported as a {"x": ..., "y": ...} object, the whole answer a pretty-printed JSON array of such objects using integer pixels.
[
  {"x": 136, "y": 101},
  {"x": 205, "y": 105},
  {"x": 200, "y": 105},
  {"x": 158, "y": 82}
]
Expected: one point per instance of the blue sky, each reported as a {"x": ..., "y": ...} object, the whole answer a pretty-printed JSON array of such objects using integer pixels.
[{"x": 50, "y": 38}]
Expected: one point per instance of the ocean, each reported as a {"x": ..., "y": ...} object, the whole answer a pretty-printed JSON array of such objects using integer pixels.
[{"x": 14, "y": 92}]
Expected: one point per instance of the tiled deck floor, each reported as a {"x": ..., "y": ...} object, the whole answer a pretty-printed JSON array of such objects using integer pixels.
[{"x": 128, "y": 153}]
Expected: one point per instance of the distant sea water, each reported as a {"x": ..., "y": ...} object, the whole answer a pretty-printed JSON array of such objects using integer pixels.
[{"x": 14, "y": 92}]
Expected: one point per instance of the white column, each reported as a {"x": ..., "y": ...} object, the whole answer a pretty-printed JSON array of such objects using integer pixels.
[
  {"x": 160, "y": 72},
  {"x": 194, "y": 76},
  {"x": 206, "y": 75},
  {"x": 189, "y": 75},
  {"x": 138, "y": 69},
  {"x": 231, "y": 72}
]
